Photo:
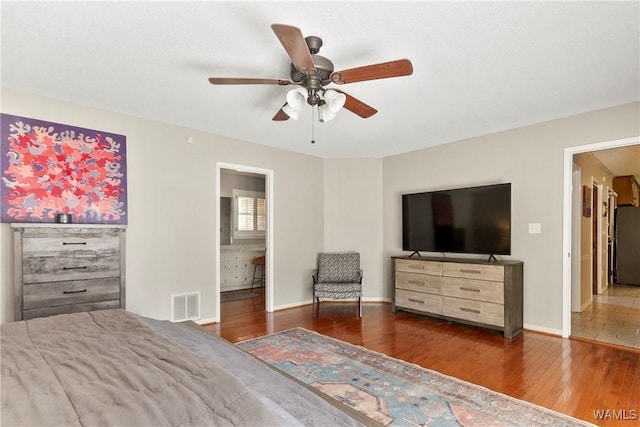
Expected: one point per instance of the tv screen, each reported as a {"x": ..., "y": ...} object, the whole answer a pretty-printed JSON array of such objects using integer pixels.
[{"x": 473, "y": 220}]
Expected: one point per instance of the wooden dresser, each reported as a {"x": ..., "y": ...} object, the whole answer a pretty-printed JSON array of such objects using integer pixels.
[
  {"x": 468, "y": 291},
  {"x": 67, "y": 268}
]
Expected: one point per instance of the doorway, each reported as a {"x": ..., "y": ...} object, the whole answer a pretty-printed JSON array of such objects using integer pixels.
[
  {"x": 567, "y": 235},
  {"x": 267, "y": 175}
]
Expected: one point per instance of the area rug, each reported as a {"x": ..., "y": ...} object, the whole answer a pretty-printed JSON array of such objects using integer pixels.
[{"x": 391, "y": 391}]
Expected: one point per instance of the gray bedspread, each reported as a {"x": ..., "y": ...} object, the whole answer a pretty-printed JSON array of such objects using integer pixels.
[
  {"x": 107, "y": 368},
  {"x": 110, "y": 367}
]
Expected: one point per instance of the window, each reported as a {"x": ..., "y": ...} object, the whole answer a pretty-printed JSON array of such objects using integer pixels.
[{"x": 250, "y": 217}]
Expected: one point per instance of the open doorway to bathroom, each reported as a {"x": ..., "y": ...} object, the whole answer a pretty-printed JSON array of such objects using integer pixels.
[{"x": 244, "y": 226}]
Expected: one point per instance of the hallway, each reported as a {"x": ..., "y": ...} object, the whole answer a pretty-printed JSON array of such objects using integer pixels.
[{"x": 613, "y": 317}]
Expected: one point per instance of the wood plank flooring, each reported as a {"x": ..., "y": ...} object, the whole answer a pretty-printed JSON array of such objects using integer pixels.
[{"x": 569, "y": 376}]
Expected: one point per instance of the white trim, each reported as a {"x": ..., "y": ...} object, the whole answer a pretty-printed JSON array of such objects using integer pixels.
[
  {"x": 208, "y": 320},
  {"x": 270, "y": 255},
  {"x": 566, "y": 219},
  {"x": 543, "y": 329}
]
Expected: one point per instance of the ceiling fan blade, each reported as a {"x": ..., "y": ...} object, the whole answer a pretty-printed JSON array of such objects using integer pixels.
[
  {"x": 357, "y": 107},
  {"x": 247, "y": 81},
  {"x": 281, "y": 115},
  {"x": 401, "y": 67},
  {"x": 296, "y": 47}
]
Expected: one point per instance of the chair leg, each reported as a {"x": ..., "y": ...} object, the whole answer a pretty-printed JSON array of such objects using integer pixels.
[{"x": 360, "y": 306}]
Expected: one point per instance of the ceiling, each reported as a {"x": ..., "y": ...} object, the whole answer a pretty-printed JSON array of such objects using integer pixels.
[
  {"x": 479, "y": 67},
  {"x": 621, "y": 161}
]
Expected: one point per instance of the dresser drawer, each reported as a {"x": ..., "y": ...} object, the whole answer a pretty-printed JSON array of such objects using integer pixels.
[
  {"x": 480, "y": 290},
  {"x": 474, "y": 271},
  {"x": 70, "y": 267},
  {"x": 237, "y": 265},
  {"x": 52, "y": 294},
  {"x": 415, "y": 266},
  {"x": 476, "y": 311},
  {"x": 419, "y": 282},
  {"x": 61, "y": 243},
  {"x": 430, "y": 303},
  {"x": 70, "y": 308}
]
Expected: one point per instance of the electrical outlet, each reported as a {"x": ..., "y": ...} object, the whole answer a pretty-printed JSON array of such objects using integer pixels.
[{"x": 535, "y": 228}]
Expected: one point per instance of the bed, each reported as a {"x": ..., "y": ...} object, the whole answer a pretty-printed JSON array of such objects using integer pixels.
[{"x": 113, "y": 367}]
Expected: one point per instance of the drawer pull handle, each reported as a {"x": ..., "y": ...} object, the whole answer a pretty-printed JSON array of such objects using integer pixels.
[
  {"x": 469, "y": 289},
  {"x": 74, "y": 243},
  {"x": 464, "y": 270},
  {"x": 75, "y": 268},
  {"x": 416, "y": 266},
  {"x": 417, "y": 282},
  {"x": 470, "y": 310},
  {"x": 416, "y": 301},
  {"x": 74, "y": 292}
]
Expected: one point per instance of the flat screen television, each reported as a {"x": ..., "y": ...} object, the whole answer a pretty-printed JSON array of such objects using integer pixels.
[{"x": 474, "y": 220}]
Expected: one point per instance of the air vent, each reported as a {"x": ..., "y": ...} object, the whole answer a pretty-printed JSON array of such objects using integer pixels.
[{"x": 185, "y": 307}]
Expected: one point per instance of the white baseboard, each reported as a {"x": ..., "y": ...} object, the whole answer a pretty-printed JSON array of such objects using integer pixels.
[
  {"x": 310, "y": 301},
  {"x": 209, "y": 320},
  {"x": 544, "y": 329}
]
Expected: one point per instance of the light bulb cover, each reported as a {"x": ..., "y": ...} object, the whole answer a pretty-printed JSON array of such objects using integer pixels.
[
  {"x": 297, "y": 99},
  {"x": 334, "y": 99},
  {"x": 325, "y": 113}
]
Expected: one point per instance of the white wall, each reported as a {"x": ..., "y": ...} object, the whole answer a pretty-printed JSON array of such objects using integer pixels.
[
  {"x": 171, "y": 202},
  {"x": 353, "y": 216},
  {"x": 531, "y": 158}
]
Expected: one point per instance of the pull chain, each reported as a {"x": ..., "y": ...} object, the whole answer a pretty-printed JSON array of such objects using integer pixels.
[{"x": 313, "y": 132}]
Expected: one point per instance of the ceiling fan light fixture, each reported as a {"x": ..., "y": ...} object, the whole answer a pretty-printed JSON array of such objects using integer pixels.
[
  {"x": 325, "y": 113},
  {"x": 290, "y": 112},
  {"x": 334, "y": 100},
  {"x": 297, "y": 99}
]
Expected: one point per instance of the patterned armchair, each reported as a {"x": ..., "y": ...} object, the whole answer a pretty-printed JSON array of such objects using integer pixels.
[{"x": 338, "y": 277}]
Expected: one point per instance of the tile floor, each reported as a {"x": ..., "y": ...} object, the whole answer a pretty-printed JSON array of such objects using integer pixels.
[{"x": 613, "y": 317}]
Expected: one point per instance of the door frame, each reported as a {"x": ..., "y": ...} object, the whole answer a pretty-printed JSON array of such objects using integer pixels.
[
  {"x": 269, "y": 196},
  {"x": 567, "y": 219},
  {"x": 576, "y": 195}
]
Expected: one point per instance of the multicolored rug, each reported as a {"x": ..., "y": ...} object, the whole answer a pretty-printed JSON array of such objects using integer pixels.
[{"x": 391, "y": 391}]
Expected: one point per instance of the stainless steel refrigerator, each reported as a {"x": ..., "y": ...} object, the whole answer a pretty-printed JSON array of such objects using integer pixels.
[{"x": 628, "y": 245}]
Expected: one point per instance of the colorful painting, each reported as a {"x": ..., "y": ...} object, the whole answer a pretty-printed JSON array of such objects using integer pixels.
[{"x": 51, "y": 168}]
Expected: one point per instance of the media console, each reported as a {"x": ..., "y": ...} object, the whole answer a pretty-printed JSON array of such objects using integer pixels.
[{"x": 464, "y": 290}]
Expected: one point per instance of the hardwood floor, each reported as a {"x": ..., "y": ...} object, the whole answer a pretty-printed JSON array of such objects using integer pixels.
[{"x": 569, "y": 376}]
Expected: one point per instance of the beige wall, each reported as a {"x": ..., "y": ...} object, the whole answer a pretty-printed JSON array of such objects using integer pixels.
[
  {"x": 171, "y": 201},
  {"x": 531, "y": 158},
  {"x": 353, "y": 216},
  {"x": 592, "y": 171},
  {"x": 322, "y": 204}
]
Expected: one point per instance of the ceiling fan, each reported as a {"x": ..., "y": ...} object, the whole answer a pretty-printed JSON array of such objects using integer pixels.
[{"x": 312, "y": 72}]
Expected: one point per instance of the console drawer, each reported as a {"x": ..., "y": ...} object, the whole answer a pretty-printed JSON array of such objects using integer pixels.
[
  {"x": 419, "y": 301},
  {"x": 479, "y": 290},
  {"x": 419, "y": 282},
  {"x": 476, "y": 311},
  {"x": 474, "y": 271},
  {"x": 426, "y": 267}
]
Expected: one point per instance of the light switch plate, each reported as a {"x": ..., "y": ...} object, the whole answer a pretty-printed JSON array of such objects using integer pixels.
[{"x": 535, "y": 228}]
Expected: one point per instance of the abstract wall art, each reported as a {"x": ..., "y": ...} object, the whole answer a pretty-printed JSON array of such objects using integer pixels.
[{"x": 51, "y": 168}]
